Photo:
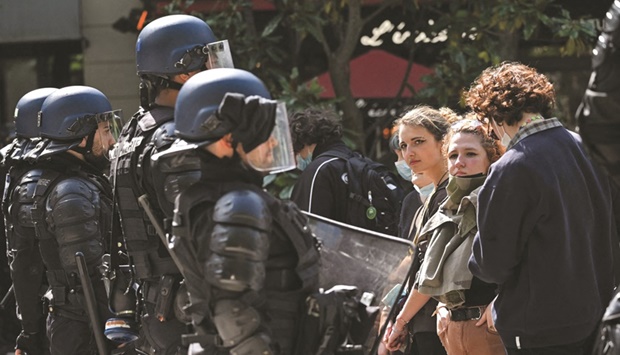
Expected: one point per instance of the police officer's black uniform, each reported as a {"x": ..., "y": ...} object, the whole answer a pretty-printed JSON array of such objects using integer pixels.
[
  {"x": 27, "y": 271},
  {"x": 69, "y": 201},
  {"x": 249, "y": 259},
  {"x": 165, "y": 47}
]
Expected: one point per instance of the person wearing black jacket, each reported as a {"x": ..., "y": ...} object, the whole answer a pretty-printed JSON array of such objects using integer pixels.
[
  {"x": 320, "y": 189},
  {"x": 546, "y": 234}
]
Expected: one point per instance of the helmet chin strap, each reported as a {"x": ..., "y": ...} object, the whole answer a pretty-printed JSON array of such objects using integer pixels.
[
  {"x": 89, "y": 144},
  {"x": 167, "y": 83}
]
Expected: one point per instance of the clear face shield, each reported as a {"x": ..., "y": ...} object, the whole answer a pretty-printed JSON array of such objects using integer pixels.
[
  {"x": 219, "y": 55},
  {"x": 210, "y": 56},
  {"x": 109, "y": 126},
  {"x": 275, "y": 155},
  {"x": 114, "y": 120}
]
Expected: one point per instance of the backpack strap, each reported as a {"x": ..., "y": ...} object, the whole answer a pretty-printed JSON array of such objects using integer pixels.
[{"x": 354, "y": 184}]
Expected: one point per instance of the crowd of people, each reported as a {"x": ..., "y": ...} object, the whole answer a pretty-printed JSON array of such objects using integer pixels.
[{"x": 155, "y": 236}]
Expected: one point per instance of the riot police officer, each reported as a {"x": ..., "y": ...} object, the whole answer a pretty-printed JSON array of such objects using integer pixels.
[
  {"x": 25, "y": 262},
  {"x": 599, "y": 122},
  {"x": 71, "y": 212},
  {"x": 599, "y": 127},
  {"x": 249, "y": 260},
  {"x": 169, "y": 51}
]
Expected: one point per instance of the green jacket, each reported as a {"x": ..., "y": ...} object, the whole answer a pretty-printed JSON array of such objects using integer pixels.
[{"x": 444, "y": 274}]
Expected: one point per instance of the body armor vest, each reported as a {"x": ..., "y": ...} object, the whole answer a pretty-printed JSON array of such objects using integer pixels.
[
  {"x": 130, "y": 157},
  {"x": 26, "y": 265}
]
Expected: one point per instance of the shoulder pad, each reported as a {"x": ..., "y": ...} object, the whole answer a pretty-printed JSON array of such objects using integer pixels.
[
  {"x": 31, "y": 176},
  {"x": 243, "y": 207},
  {"x": 164, "y": 135},
  {"x": 73, "y": 186},
  {"x": 155, "y": 117},
  {"x": 185, "y": 161},
  {"x": 25, "y": 187}
]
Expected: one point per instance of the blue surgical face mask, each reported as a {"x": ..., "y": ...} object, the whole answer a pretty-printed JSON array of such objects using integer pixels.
[
  {"x": 424, "y": 191},
  {"x": 403, "y": 170},
  {"x": 302, "y": 163}
]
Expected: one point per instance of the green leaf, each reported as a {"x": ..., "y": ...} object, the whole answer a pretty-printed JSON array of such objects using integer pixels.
[{"x": 272, "y": 25}]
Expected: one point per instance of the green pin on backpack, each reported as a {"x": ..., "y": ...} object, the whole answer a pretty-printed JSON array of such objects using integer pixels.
[{"x": 371, "y": 211}]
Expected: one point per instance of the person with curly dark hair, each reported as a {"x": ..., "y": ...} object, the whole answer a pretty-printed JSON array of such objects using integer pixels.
[
  {"x": 545, "y": 232},
  {"x": 339, "y": 183},
  {"x": 320, "y": 189}
]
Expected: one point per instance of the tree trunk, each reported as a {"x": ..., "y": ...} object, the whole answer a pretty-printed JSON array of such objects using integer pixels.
[{"x": 509, "y": 45}]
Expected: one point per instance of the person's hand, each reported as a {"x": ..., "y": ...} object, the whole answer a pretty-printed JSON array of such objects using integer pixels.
[
  {"x": 382, "y": 350},
  {"x": 443, "y": 318},
  {"x": 394, "y": 337},
  {"x": 29, "y": 343},
  {"x": 487, "y": 317}
]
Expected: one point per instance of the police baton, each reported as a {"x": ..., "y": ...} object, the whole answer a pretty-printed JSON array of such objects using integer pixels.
[{"x": 91, "y": 303}]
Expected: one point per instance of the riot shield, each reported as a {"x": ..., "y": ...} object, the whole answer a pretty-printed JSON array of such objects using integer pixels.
[{"x": 377, "y": 264}]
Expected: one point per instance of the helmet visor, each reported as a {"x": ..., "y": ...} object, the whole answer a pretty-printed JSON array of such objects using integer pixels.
[
  {"x": 275, "y": 155},
  {"x": 219, "y": 55},
  {"x": 115, "y": 120}
]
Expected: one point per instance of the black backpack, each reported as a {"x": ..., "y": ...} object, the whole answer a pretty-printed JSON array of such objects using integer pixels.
[{"x": 375, "y": 194}]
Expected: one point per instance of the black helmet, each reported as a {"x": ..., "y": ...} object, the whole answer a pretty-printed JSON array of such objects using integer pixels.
[
  {"x": 173, "y": 44},
  {"x": 201, "y": 96},
  {"x": 27, "y": 112}
]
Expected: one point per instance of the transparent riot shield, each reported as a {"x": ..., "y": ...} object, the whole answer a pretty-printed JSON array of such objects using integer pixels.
[{"x": 377, "y": 264}]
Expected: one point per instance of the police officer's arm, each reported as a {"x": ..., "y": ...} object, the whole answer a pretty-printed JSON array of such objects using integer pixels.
[
  {"x": 26, "y": 267},
  {"x": 74, "y": 215},
  {"x": 234, "y": 252}
]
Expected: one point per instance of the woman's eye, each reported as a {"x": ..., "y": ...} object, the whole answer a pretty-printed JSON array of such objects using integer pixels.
[
  {"x": 453, "y": 156},
  {"x": 472, "y": 154},
  {"x": 418, "y": 141}
]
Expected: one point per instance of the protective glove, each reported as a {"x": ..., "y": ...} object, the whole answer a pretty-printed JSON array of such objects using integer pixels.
[
  {"x": 31, "y": 343},
  {"x": 253, "y": 118}
]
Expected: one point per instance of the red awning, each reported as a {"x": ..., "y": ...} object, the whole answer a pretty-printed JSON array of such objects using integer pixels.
[{"x": 378, "y": 74}]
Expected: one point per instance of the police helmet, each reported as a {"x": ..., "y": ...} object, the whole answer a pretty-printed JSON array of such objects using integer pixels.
[
  {"x": 27, "y": 111},
  {"x": 73, "y": 112},
  {"x": 200, "y": 98},
  {"x": 172, "y": 45}
]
